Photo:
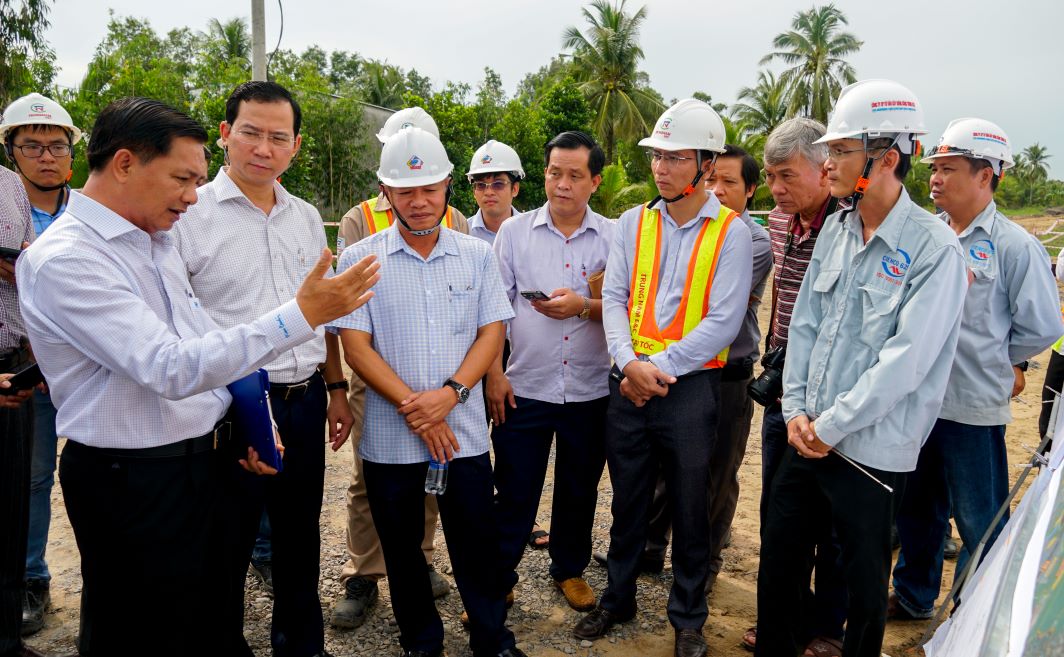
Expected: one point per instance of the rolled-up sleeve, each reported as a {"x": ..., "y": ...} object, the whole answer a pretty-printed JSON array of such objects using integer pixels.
[
  {"x": 728, "y": 298},
  {"x": 928, "y": 323}
]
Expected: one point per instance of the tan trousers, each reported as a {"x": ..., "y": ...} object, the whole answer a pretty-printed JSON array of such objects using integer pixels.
[{"x": 365, "y": 558}]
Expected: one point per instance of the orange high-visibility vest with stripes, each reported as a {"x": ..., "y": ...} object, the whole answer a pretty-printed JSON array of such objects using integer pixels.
[
  {"x": 377, "y": 220},
  {"x": 647, "y": 338}
]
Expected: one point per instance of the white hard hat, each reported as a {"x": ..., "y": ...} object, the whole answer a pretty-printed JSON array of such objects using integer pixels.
[
  {"x": 975, "y": 138},
  {"x": 876, "y": 109},
  {"x": 689, "y": 123},
  {"x": 35, "y": 109},
  {"x": 495, "y": 157},
  {"x": 412, "y": 158},
  {"x": 411, "y": 117}
]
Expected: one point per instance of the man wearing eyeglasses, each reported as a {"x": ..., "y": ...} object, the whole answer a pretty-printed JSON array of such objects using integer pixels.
[
  {"x": 365, "y": 560},
  {"x": 675, "y": 294},
  {"x": 39, "y": 138},
  {"x": 248, "y": 244}
]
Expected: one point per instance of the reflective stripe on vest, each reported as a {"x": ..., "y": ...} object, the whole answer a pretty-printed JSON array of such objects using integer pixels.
[
  {"x": 647, "y": 338},
  {"x": 1059, "y": 343},
  {"x": 378, "y": 220}
]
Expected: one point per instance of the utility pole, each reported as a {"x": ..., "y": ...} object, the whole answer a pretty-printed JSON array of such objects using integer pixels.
[{"x": 258, "y": 40}]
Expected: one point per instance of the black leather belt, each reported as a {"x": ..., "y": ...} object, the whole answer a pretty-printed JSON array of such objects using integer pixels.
[
  {"x": 288, "y": 391},
  {"x": 205, "y": 443}
]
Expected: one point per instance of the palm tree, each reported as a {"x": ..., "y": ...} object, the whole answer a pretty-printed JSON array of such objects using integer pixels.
[
  {"x": 382, "y": 84},
  {"x": 231, "y": 40},
  {"x": 607, "y": 59},
  {"x": 615, "y": 194},
  {"x": 814, "y": 49},
  {"x": 1035, "y": 157},
  {"x": 762, "y": 107}
]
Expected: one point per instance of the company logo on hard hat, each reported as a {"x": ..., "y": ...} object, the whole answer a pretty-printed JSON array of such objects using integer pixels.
[
  {"x": 406, "y": 125},
  {"x": 415, "y": 163},
  {"x": 486, "y": 159},
  {"x": 989, "y": 136},
  {"x": 37, "y": 108},
  {"x": 895, "y": 266},
  {"x": 982, "y": 250},
  {"x": 893, "y": 106},
  {"x": 663, "y": 128}
]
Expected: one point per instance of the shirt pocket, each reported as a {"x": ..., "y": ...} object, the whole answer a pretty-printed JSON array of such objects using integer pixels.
[
  {"x": 980, "y": 299},
  {"x": 823, "y": 286},
  {"x": 879, "y": 316},
  {"x": 462, "y": 302}
]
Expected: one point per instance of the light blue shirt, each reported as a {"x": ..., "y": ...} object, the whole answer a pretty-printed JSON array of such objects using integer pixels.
[
  {"x": 424, "y": 317},
  {"x": 874, "y": 333},
  {"x": 1010, "y": 314},
  {"x": 131, "y": 357},
  {"x": 477, "y": 227},
  {"x": 728, "y": 296},
  {"x": 551, "y": 360}
]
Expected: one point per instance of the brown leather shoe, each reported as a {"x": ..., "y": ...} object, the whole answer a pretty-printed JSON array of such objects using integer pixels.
[
  {"x": 597, "y": 623},
  {"x": 690, "y": 643},
  {"x": 577, "y": 593},
  {"x": 464, "y": 618}
]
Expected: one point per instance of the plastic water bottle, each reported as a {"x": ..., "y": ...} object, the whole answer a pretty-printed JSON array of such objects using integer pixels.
[{"x": 436, "y": 478}]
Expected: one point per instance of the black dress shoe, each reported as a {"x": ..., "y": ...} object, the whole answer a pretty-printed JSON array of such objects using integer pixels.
[
  {"x": 690, "y": 643},
  {"x": 597, "y": 623}
]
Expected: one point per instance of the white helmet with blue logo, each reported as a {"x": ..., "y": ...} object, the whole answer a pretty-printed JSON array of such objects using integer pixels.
[
  {"x": 413, "y": 158},
  {"x": 874, "y": 109},
  {"x": 975, "y": 138},
  {"x": 495, "y": 157}
]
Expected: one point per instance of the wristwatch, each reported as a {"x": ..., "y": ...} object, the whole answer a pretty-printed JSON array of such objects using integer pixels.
[
  {"x": 586, "y": 312},
  {"x": 463, "y": 392},
  {"x": 339, "y": 385}
]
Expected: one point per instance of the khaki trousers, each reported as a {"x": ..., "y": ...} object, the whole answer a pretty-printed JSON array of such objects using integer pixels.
[{"x": 364, "y": 556}]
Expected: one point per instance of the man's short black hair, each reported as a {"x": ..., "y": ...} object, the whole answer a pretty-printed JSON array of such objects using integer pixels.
[
  {"x": 750, "y": 169},
  {"x": 143, "y": 126},
  {"x": 477, "y": 177},
  {"x": 573, "y": 139},
  {"x": 261, "y": 91}
]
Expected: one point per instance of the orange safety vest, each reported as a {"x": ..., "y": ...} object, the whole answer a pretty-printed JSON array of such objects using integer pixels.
[
  {"x": 377, "y": 220},
  {"x": 647, "y": 338}
]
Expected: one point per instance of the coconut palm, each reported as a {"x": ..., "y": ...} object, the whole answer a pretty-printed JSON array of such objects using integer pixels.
[
  {"x": 230, "y": 40},
  {"x": 615, "y": 194},
  {"x": 1034, "y": 157},
  {"x": 814, "y": 49},
  {"x": 607, "y": 59},
  {"x": 762, "y": 107}
]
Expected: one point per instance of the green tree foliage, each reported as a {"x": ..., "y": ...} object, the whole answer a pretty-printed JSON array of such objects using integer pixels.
[
  {"x": 521, "y": 127},
  {"x": 815, "y": 49},
  {"x": 616, "y": 194},
  {"x": 27, "y": 62},
  {"x": 606, "y": 62},
  {"x": 563, "y": 108},
  {"x": 762, "y": 107}
]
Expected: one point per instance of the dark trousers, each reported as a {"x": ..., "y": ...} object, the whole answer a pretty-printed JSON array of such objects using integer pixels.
[
  {"x": 733, "y": 429},
  {"x": 806, "y": 495},
  {"x": 824, "y": 606},
  {"x": 126, "y": 512},
  {"x": 16, "y": 452},
  {"x": 522, "y": 449},
  {"x": 963, "y": 468},
  {"x": 292, "y": 500},
  {"x": 675, "y": 433},
  {"x": 396, "y": 495},
  {"x": 1054, "y": 381}
]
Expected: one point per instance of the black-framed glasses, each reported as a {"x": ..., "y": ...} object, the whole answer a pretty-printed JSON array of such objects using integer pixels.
[
  {"x": 34, "y": 151},
  {"x": 495, "y": 185},
  {"x": 254, "y": 138},
  {"x": 667, "y": 158}
]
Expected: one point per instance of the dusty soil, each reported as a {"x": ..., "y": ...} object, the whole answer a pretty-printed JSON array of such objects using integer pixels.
[{"x": 540, "y": 619}]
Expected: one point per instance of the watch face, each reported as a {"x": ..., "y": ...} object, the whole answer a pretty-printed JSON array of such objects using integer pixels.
[{"x": 463, "y": 394}]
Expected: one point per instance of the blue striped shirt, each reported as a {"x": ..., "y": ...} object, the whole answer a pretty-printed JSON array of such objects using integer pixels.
[{"x": 424, "y": 317}]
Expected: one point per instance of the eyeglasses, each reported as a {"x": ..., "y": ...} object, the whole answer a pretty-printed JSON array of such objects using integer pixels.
[
  {"x": 668, "y": 158},
  {"x": 34, "y": 151},
  {"x": 837, "y": 153},
  {"x": 254, "y": 138},
  {"x": 495, "y": 186}
]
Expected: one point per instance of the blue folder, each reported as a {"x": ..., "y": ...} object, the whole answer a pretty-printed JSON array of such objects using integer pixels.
[{"x": 252, "y": 418}]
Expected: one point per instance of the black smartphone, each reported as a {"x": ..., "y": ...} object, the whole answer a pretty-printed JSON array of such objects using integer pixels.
[
  {"x": 26, "y": 376},
  {"x": 535, "y": 295},
  {"x": 11, "y": 255}
]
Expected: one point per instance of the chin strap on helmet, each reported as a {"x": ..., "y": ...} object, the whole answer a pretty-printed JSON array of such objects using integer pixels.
[
  {"x": 426, "y": 231},
  {"x": 862, "y": 182}
]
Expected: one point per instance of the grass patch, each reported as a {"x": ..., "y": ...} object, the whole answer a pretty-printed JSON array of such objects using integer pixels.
[
  {"x": 1025, "y": 211},
  {"x": 1053, "y": 241}
]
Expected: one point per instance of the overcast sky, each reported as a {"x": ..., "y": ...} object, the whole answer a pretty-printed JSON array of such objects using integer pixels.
[{"x": 1003, "y": 61}]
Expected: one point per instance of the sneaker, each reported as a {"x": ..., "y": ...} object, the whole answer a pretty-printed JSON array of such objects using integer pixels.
[
  {"x": 352, "y": 608},
  {"x": 440, "y": 586},
  {"x": 35, "y": 600},
  {"x": 263, "y": 571}
]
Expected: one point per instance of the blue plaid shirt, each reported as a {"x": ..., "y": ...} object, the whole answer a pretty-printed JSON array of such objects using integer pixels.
[
  {"x": 42, "y": 220},
  {"x": 424, "y": 317}
]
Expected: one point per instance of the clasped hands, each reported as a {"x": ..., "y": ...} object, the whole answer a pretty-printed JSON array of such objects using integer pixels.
[
  {"x": 801, "y": 435},
  {"x": 425, "y": 413}
]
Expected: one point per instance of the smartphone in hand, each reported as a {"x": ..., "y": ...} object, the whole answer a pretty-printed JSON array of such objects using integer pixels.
[
  {"x": 535, "y": 295},
  {"x": 25, "y": 377}
]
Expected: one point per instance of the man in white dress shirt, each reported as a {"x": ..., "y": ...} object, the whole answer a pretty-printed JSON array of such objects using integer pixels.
[{"x": 137, "y": 371}]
